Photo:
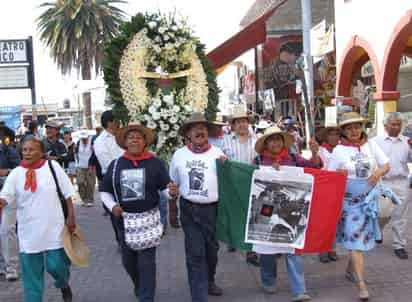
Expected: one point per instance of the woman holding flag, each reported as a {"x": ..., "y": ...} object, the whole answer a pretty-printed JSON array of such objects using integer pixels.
[
  {"x": 365, "y": 164},
  {"x": 273, "y": 149}
]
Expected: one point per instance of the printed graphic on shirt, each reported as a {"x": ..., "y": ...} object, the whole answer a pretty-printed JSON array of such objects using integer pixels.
[
  {"x": 132, "y": 184},
  {"x": 197, "y": 177},
  {"x": 362, "y": 165}
]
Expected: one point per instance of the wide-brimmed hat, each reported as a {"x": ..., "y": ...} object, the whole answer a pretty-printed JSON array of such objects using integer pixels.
[
  {"x": 350, "y": 118},
  {"x": 53, "y": 124},
  {"x": 218, "y": 121},
  {"x": 263, "y": 124},
  {"x": 323, "y": 133},
  {"x": 83, "y": 134},
  {"x": 288, "y": 139},
  {"x": 122, "y": 132},
  {"x": 195, "y": 118},
  {"x": 239, "y": 112},
  {"x": 75, "y": 247}
]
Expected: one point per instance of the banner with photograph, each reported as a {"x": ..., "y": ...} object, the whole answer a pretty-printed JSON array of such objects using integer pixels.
[{"x": 279, "y": 206}]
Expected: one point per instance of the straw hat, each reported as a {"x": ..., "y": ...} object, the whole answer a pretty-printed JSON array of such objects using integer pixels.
[
  {"x": 287, "y": 138},
  {"x": 322, "y": 134},
  {"x": 121, "y": 134},
  {"x": 350, "y": 118},
  {"x": 218, "y": 121},
  {"x": 238, "y": 113},
  {"x": 75, "y": 247},
  {"x": 83, "y": 134},
  {"x": 195, "y": 118},
  {"x": 263, "y": 124},
  {"x": 53, "y": 124}
]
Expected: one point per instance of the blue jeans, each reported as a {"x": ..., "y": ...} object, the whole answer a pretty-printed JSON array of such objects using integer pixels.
[
  {"x": 294, "y": 266},
  {"x": 201, "y": 246}
]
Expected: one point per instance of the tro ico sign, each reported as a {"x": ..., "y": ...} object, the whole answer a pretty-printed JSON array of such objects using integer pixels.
[{"x": 13, "y": 51}]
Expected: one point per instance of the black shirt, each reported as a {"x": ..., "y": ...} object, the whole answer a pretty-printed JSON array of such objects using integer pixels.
[
  {"x": 56, "y": 149},
  {"x": 136, "y": 188}
]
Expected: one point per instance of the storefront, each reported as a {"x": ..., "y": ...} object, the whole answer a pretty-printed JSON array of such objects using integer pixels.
[{"x": 377, "y": 33}]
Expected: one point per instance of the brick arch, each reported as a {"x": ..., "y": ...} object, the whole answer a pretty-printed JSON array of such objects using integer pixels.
[
  {"x": 357, "y": 53},
  {"x": 397, "y": 46}
]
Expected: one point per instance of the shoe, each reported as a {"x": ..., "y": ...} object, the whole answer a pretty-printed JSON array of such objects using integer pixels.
[
  {"x": 67, "y": 294},
  {"x": 350, "y": 276},
  {"x": 333, "y": 256},
  {"x": 401, "y": 253},
  {"x": 301, "y": 297},
  {"x": 11, "y": 274},
  {"x": 231, "y": 250},
  {"x": 270, "y": 290},
  {"x": 214, "y": 290},
  {"x": 252, "y": 258},
  {"x": 363, "y": 291},
  {"x": 324, "y": 258}
]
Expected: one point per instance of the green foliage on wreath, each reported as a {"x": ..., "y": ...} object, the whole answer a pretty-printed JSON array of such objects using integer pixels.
[{"x": 111, "y": 64}]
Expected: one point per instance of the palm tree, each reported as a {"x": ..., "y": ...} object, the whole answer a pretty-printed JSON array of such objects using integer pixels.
[{"x": 76, "y": 31}]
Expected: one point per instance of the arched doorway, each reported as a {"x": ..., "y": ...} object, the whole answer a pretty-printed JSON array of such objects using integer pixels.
[
  {"x": 357, "y": 54},
  {"x": 397, "y": 60}
]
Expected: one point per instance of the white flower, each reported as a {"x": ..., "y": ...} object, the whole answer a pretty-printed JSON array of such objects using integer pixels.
[
  {"x": 172, "y": 134},
  {"x": 162, "y": 29},
  {"x": 176, "y": 127},
  {"x": 158, "y": 39},
  {"x": 176, "y": 108},
  {"x": 157, "y": 103},
  {"x": 173, "y": 120},
  {"x": 152, "y": 24},
  {"x": 174, "y": 28},
  {"x": 166, "y": 37},
  {"x": 165, "y": 127},
  {"x": 156, "y": 116},
  {"x": 168, "y": 99},
  {"x": 152, "y": 109},
  {"x": 151, "y": 125},
  {"x": 147, "y": 117}
]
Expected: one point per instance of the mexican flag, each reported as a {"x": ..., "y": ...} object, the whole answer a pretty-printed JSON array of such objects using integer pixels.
[{"x": 234, "y": 180}]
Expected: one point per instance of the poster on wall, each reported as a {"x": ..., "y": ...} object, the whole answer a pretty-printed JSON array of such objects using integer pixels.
[{"x": 279, "y": 205}]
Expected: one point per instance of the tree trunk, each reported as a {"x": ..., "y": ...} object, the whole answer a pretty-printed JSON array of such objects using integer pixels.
[{"x": 87, "y": 96}]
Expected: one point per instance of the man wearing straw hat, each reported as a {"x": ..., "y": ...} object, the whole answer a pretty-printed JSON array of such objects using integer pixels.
[
  {"x": 240, "y": 146},
  {"x": 398, "y": 150},
  {"x": 193, "y": 169}
]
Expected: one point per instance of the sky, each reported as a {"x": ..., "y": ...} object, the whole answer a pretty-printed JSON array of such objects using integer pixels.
[{"x": 214, "y": 21}]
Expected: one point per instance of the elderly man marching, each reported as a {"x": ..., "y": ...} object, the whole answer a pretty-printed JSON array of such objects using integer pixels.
[
  {"x": 240, "y": 146},
  {"x": 398, "y": 150},
  {"x": 193, "y": 169}
]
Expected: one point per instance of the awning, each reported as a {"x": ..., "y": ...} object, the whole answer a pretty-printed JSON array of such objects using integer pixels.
[{"x": 248, "y": 38}]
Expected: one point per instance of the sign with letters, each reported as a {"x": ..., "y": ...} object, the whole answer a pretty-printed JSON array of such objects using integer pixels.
[
  {"x": 13, "y": 51},
  {"x": 14, "y": 77}
]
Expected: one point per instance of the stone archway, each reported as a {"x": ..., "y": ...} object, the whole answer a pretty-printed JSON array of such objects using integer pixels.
[
  {"x": 356, "y": 54},
  {"x": 399, "y": 44}
]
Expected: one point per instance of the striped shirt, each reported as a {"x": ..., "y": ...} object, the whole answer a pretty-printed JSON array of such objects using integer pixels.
[{"x": 237, "y": 151}]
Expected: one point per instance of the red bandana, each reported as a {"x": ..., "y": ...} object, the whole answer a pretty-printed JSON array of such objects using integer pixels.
[
  {"x": 350, "y": 144},
  {"x": 328, "y": 147},
  {"x": 278, "y": 157},
  {"x": 30, "y": 183},
  {"x": 199, "y": 149},
  {"x": 136, "y": 159}
]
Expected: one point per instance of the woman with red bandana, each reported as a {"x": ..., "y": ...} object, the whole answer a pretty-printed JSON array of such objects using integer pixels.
[
  {"x": 329, "y": 137},
  {"x": 41, "y": 219},
  {"x": 130, "y": 191},
  {"x": 365, "y": 164},
  {"x": 273, "y": 149}
]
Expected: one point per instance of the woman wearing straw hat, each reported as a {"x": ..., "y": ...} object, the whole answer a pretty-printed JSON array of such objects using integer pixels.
[
  {"x": 273, "y": 149},
  {"x": 130, "y": 190},
  {"x": 41, "y": 221},
  {"x": 365, "y": 164},
  {"x": 329, "y": 137}
]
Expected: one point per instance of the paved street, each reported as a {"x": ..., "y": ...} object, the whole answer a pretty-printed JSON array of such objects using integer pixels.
[{"x": 389, "y": 279}]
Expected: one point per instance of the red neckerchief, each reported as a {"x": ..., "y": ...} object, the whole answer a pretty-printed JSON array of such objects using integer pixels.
[
  {"x": 30, "y": 182},
  {"x": 136, "y": 159},
  {"x": 199, "y": 149},
  {"x": 278, "y": 157},
  {"x": 328, "y": 147},
  {"x": 351, "y": 144}
]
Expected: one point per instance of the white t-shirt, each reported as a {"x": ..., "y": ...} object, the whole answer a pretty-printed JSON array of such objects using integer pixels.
[
  {"x": 39, "y": 214},
  {"x": 359, "y": 164},
  {"x": 195, "y": 174}
]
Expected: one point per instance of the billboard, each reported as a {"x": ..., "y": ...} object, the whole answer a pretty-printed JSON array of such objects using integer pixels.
[{"x": 10, "y": 115}]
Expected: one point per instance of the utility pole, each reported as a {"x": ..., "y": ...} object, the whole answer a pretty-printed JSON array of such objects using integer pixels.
[{"x": 307, "y": 68}]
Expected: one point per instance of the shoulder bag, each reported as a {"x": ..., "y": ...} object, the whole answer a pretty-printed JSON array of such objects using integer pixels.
[
  {"x": 141, "y": 230},
  {"x": 59, "y": 192}
]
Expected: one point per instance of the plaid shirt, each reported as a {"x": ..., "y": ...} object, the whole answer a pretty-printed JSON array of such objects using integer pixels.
[{"x": 234, "y": 150}]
